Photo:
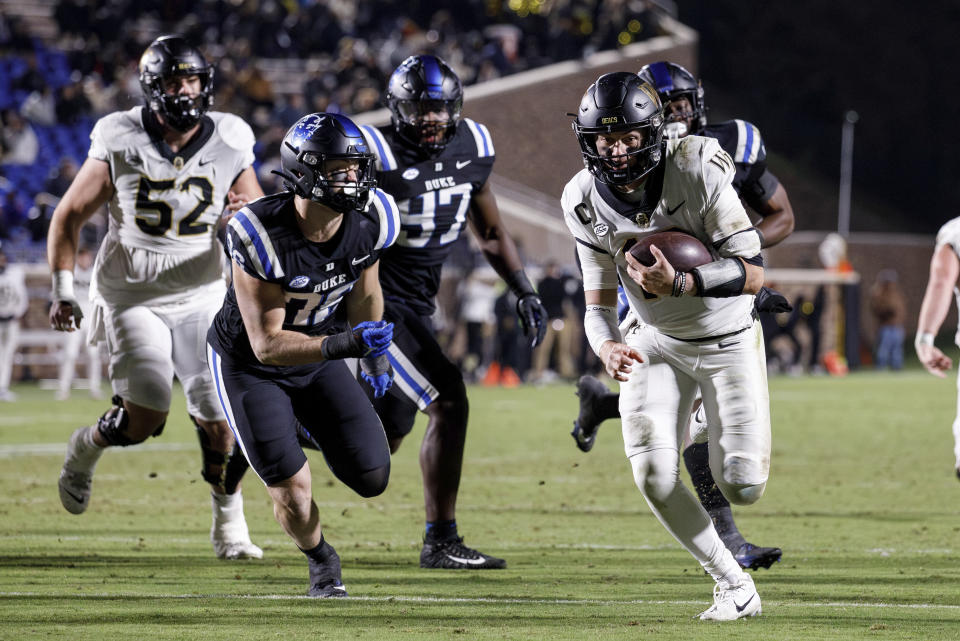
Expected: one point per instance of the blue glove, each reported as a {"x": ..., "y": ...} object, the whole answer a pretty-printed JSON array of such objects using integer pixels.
[
  {"x": 375, "y": 335},
  {"x": 533, "y": 318},
  {"x": 378, "y": 373}
]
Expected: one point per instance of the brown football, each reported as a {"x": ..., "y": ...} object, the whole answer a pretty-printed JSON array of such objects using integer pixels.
[{"x": 683, "y": 250}]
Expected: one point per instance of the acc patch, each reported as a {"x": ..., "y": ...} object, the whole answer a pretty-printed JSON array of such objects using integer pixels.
[
  {"x": 411, "y": 173},
  {"x": 601, "y": 229},
  {"x": 299, "y": 282}
]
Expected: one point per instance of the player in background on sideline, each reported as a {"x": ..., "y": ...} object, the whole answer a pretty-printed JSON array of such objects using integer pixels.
[
  {"x": 82, "y": 274},
  {"x": 697, "y": 330},
  {"x": 14, "y": 301},
  {"x": 685, "y": 113},
  {"x": 941, "y": 288},
  {"x": 167, "y": 170},
  {"x": 273, "y": 350},
  {"x": 436, "y": 165}
]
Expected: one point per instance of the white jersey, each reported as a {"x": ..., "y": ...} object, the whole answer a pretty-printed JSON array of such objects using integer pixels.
[
  {"x": 696, "y": 197},
  {"x": 13, "y": 293},
  {"x": 949, "y": 234},
  {"x": 161, "y": 240}
]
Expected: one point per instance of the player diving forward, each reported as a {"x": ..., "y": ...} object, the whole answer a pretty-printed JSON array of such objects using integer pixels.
[
  {"x": 436, "y": 165},
  {"x": 685, "y": 113},
  {"x": 166, "y": 169}
]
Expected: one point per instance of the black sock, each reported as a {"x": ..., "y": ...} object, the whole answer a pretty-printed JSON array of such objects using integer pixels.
[
  {"x": 321, "y": 553},
  {"x": 609, "y": 406},
  {"x": 697, "y": 459},
  {"x": 441, "y": 530}
]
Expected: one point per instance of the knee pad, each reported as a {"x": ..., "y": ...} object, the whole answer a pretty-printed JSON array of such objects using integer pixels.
[
  {"x": 371, "y": 483},
  {"x": 743, "y": 481},
  {"x": 656, "y": 474},
  {"x": 220, "y": 469},
  {"x": 112, "y": 426}
]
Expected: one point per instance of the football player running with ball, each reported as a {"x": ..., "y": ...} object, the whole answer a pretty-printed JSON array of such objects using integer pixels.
[
  {"x": 436, "y": 165},
  {"x": 686, "y": 113},
  {"x": 698, "y": 329},
  {"x": 166, "y": 169},
  {"x": 273, "y": 351}
]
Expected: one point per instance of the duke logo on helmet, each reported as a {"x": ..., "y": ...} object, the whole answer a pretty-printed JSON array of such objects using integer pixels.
[{"x": 308, "y": 149}]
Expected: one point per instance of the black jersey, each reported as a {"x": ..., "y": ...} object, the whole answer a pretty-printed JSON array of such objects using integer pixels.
[
  {"x": 433, "y": 195},
  {"x": 265, "y": 241},
  {"x": 741, "y": 139}
]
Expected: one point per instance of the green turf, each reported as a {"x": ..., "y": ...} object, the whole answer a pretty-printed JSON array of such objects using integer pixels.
[{"x": 862, "y": 498}]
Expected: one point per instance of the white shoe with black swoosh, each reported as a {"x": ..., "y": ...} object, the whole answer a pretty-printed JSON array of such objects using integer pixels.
[
  {"x": 76, "y": 477},
  {"x": 732, "y": 602},
  {"x": 452, "y": 554}
]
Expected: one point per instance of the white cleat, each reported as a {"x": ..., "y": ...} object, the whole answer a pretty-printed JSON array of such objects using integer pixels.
[
  {"x": 732, "y": 602},
  {"x": 698, "y": 430},
  {"x": 229, "y": 533},
  {"x": 76, "y": 477}
]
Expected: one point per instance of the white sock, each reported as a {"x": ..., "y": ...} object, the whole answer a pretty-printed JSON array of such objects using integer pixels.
[{"x": 228, "y": 520}]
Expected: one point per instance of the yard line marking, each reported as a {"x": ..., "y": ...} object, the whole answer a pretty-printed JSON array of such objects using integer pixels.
[
  {"x": 477, "y": 600},
  {"x": 59, "y": 449}
]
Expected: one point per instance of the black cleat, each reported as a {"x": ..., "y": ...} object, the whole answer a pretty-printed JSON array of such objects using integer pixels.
[
  {"x": 590, "y": 391},
  {"x": 752, "y": 557},
  {"x": 325, "y": 580},
  {"x": 452, "y": 554}
]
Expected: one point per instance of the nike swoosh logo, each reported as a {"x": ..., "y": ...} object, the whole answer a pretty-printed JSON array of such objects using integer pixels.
[
  {"x": 78, "y": 499},
  {"x": 207, "y": 161},
  {"x": 671, "y": 212},
  {"x": 726, "y": 345},
  {"x": 469, "y": 561},
  {"x": 357, "y": 261},
  {"x": 461, "y": 165},
  {"x": 746, "y": 603}
]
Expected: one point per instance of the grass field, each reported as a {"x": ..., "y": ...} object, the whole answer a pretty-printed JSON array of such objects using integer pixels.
[{"x": 862, "y": 498}]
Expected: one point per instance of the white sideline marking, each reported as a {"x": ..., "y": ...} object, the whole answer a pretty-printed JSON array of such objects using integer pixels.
[{"x": 479, "y": 600}]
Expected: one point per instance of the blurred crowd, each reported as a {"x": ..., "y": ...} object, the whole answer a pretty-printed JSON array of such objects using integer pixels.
[{"x": 275, "y": 60}]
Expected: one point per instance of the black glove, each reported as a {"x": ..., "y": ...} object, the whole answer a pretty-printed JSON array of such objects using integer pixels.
[
  {"x": 771, "y": 302},
  {"x": 533, "y": 318}
]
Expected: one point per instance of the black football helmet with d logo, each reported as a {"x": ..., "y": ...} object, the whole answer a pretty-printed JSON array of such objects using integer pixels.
[
  {"x": 425, "y": 97},
  {"x": 673, "y": 83},
  {"x": 306, "y": 151}
]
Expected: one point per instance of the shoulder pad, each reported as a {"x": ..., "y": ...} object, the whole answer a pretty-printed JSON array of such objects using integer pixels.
[
  {"x": 114, "y": 130},
  {"x": 380, "y": 147},
  {"x": 481, "y": 136},
  {"x": 233, "y": 130},
  {"x": 749, "y": 144},
  {"x": 385, "y": 209},
  {"x": 950, "y": 233}
]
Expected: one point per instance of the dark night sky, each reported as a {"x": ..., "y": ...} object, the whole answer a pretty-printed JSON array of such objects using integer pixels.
[{"x": 794, "y": 68}]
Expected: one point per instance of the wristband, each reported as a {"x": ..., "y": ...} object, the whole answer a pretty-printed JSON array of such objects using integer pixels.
[
  {"x": 923, "y": 338},
  {"x": 342, "y": 345},
  {"x": 63, "y": 285}
]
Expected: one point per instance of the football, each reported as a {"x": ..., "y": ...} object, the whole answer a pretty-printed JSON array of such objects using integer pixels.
[{"x": 683, "y": 250}]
